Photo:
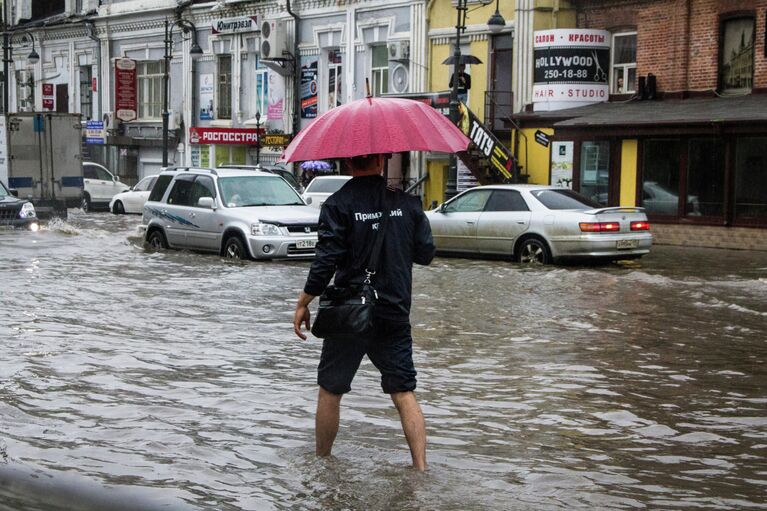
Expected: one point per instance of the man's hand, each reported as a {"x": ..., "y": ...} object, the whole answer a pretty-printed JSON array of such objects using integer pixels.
[{"x": 302, "y": 314}]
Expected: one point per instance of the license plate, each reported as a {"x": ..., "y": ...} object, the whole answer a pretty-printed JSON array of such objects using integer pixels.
[
  {"x": 626, "y": 244},
  {"x": 306, "y": 243}
]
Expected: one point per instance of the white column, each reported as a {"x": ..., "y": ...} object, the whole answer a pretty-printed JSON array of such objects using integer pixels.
[
  {"x": 523, "y": 54},
  {"x": 74, "y": 80},
  {"x": 236, "y": 50},
  {"x": 105, "y": 76},
  {"x": 186, "y": 100},
  {"x": 351, "y": 52}
]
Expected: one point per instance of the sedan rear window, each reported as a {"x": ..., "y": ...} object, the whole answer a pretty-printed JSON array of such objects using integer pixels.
[
  {"x": 564, "y": 199},
  {"x": 325, "y": 185}
]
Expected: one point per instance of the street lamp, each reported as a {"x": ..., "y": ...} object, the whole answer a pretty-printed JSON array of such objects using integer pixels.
[
  {"x": 496, "y": 23},
  {"x": 258, "y": 138},
  {"x": 194, "y": 51},
  {"x": 33, "y": 57}
]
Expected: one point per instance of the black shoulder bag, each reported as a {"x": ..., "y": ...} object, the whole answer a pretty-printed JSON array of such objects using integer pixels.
[{"x": 346, "y": 313}]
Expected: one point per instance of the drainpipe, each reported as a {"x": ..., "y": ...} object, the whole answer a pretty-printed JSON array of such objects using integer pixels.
[
  {"x": 296, "y": 70},
  {"x": 90, "y": 31}
]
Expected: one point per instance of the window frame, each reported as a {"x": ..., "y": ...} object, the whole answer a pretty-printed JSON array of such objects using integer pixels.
[
  {"x": 223, "y": 88},
  {"x": 86, "y": 92},
  {"x": 723, "y": 21},
  {"x": 379, "y": 75},
  {"x": 150, "y": 84},
  {"x": 624, "y": 67}
]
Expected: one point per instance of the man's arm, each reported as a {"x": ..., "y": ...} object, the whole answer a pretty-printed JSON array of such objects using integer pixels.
[
  {"x": 424, "y": 248},
  {"x": 302, "y": 314}
]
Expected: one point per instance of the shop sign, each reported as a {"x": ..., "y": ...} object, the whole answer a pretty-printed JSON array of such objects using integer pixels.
[
  {"x": 309, "y": 87},
  {"x": 275, "y": 140},
  {"x": 48, "y": 103},
  {"x": 571, "y": 68},
  {"x": 94, "y": 132},
  {"x": 562, "y": 164},
  {"x": 47, "y": 89},
  {"x": 542, "y": 138},
  {"x": 497, "y": 155},
  {"x": 230, "y": 136},
  {"x": 236, "y": 25},
  {"x": 206, "y": 96},
  {"x": 94, "y": 84},
  {"x": 126, "y": 90}
]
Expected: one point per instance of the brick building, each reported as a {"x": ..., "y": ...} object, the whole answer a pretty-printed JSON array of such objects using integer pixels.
[{"x": 684, "y": 133}]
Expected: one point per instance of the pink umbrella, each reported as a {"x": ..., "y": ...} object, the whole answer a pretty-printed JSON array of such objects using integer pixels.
[{"x": 376, "y": 126}]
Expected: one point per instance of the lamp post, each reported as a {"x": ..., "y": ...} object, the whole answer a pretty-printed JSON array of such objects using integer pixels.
[
  {"x": 495, "y": 24},
  {"x": 33, "y": 57},
  {"x": 194, "y": 51},
  {"x": 258, "y": 138}
]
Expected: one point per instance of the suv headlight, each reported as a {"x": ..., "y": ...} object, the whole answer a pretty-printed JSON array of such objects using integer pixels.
[
  {"x": 27, "y": 211},
  {"x": 264, "y": 229}
]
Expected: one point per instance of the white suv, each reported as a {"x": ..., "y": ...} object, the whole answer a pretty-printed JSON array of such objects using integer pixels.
[
  {"x": 99, "y": 186},
  {"x": 239, "y": 214}
]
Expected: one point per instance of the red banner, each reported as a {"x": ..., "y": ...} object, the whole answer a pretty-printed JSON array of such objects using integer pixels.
[
  {"x": 126, "y": 90},
  {"x": 232, "y": 136}
]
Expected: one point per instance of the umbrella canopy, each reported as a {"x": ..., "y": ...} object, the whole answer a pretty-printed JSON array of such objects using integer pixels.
[
  {"x": 316, "y": 165},
  {"x": 376, "y": 126},
  {"x": 465, "y": 59}
]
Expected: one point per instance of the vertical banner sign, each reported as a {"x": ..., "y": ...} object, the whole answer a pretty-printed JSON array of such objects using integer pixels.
[
  {"x": 48, "y": 103},
  {"x": 275, "y": 96},
  {"x": 206, "y": 97},
  {"x": 571, "y": 68},
  {"x": 94, "y": 84},
  {"x": 309, "y": 87},
  {"x": 126, "y": 90},
  {"x": 497, "y": 155}
]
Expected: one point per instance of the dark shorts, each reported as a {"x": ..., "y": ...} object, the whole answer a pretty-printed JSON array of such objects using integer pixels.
[{"x": 390, "y": 348}]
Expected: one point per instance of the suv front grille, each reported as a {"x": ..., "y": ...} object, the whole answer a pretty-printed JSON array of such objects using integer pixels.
[
  {"x": 301, "y": 228},
  {"x": 295, "y": 252},
  {"x": 11, "y": 213}
]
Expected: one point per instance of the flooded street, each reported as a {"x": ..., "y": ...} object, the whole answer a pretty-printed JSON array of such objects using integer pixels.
[{"x": 175, "y": 378}]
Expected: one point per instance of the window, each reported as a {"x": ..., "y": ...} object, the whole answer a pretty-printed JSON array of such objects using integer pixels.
[
  {"x": 379, "y": 70},
  {"x": 25, "y": 90},
  {"x": 203, "y": 187},
  {"x": 335, "y": 78},
  {"x": 224, "y": 89},
  {"x": 506, "y": 200},
  {"x": 595, "y": 170},
  {"x": 736, "y": 64},
  {"x": 262, "y": 92},
  {"x": 86, "y": 92},
  {"x": 469, "y": 202},
  {"x": 181, "y": 193},
  {"x": 145, "y": 184},
  {"x": 96, "y": 172},
  {"x": 624, "y": 63},
  {"x": 158, "y": 190},
  {"x": 705, "y": 177},
  {"x": 564, "y": 199},
  {"x": 751, "y": 179},
  {"x": 149, "y": 78},
  {"x": 660, "y": 177}
]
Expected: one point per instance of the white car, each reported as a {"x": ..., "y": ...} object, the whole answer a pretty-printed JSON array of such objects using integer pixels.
[
  {"x": 133, "y": 200},
  {"x": 537, "y": 224},
  {"x": 322, "y": 187},
  {"x": 99, "y": 186}
]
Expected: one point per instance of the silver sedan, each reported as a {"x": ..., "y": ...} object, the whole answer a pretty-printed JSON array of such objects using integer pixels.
[{"x": 538, "y": 224}]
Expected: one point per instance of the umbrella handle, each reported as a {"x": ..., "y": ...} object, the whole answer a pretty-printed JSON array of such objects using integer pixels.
[{"x": 367, "y": 87}]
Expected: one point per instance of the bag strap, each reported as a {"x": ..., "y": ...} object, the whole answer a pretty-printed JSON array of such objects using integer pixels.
[{"x": 375, "y": 253}]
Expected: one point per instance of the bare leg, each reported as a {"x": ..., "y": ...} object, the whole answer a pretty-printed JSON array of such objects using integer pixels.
[
  {"x": 326, "y": 421},
  {"x": 413, "y": 425}
]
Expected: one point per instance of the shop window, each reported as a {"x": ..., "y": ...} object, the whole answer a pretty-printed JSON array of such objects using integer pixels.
[
  {"x": 379, "y": 70},
  {"x": 705, "y": 178},
  {"x": 224, "y": 89},
  {"x": 595, "y": 170},
  {"x": 624, "y": 63},
  {"x": 736, "y": 63},
  {"x": 86, "y": 92},
  {"x": 149, "y": 78},
  {"x": 660, "y": 177},
  {"x": 262, "y": 91},
  {"x": 751, "y": 179},
  {"x": 335, "y": 79}
]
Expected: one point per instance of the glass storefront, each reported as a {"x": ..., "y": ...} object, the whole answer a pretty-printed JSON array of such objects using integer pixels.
[
  {"x": 705, "y": 177},
  {"x": 751, "y": 179},
  {"x": 595, "y": 170},
  {"x": 660, "y": 177}
]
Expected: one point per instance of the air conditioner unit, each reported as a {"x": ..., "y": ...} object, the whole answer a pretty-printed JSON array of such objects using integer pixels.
[
  {"x": 272, "y": 39},
  {"x": 400, "y": 77},
  {"x": 399, "y": 50},
  {"x": 111, "y": 122}
]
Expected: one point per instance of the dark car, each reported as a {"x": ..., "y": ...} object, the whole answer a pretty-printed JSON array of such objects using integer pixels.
[{"x": 15, "y": 212}]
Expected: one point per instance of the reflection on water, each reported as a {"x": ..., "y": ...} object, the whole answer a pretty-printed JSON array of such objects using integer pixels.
[{"x": 175, "y": 377}]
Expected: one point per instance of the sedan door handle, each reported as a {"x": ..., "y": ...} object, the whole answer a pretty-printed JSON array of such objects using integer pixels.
[
  {"x": 469, "y": 222},
  {"x": 520, "y": 222}
]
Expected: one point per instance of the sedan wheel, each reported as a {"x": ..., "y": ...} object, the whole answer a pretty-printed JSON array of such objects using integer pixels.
[
  {"x": 533, "y": 251},
  {"x": 234, "y": 249},
  {"x": 85, "y": 203},
  {"x": 118, "y": 208}
]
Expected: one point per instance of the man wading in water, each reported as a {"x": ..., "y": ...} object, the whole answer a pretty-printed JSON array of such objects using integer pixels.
[{"x": 347, "y": 229}]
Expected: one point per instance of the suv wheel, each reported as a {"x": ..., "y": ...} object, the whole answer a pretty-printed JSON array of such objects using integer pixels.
[
  {"x": 85, "y": 203},
  {"x": 118, "y": 208},
  {"x": 235, "y": 249},
  {"x": 156, "y": 240}
]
